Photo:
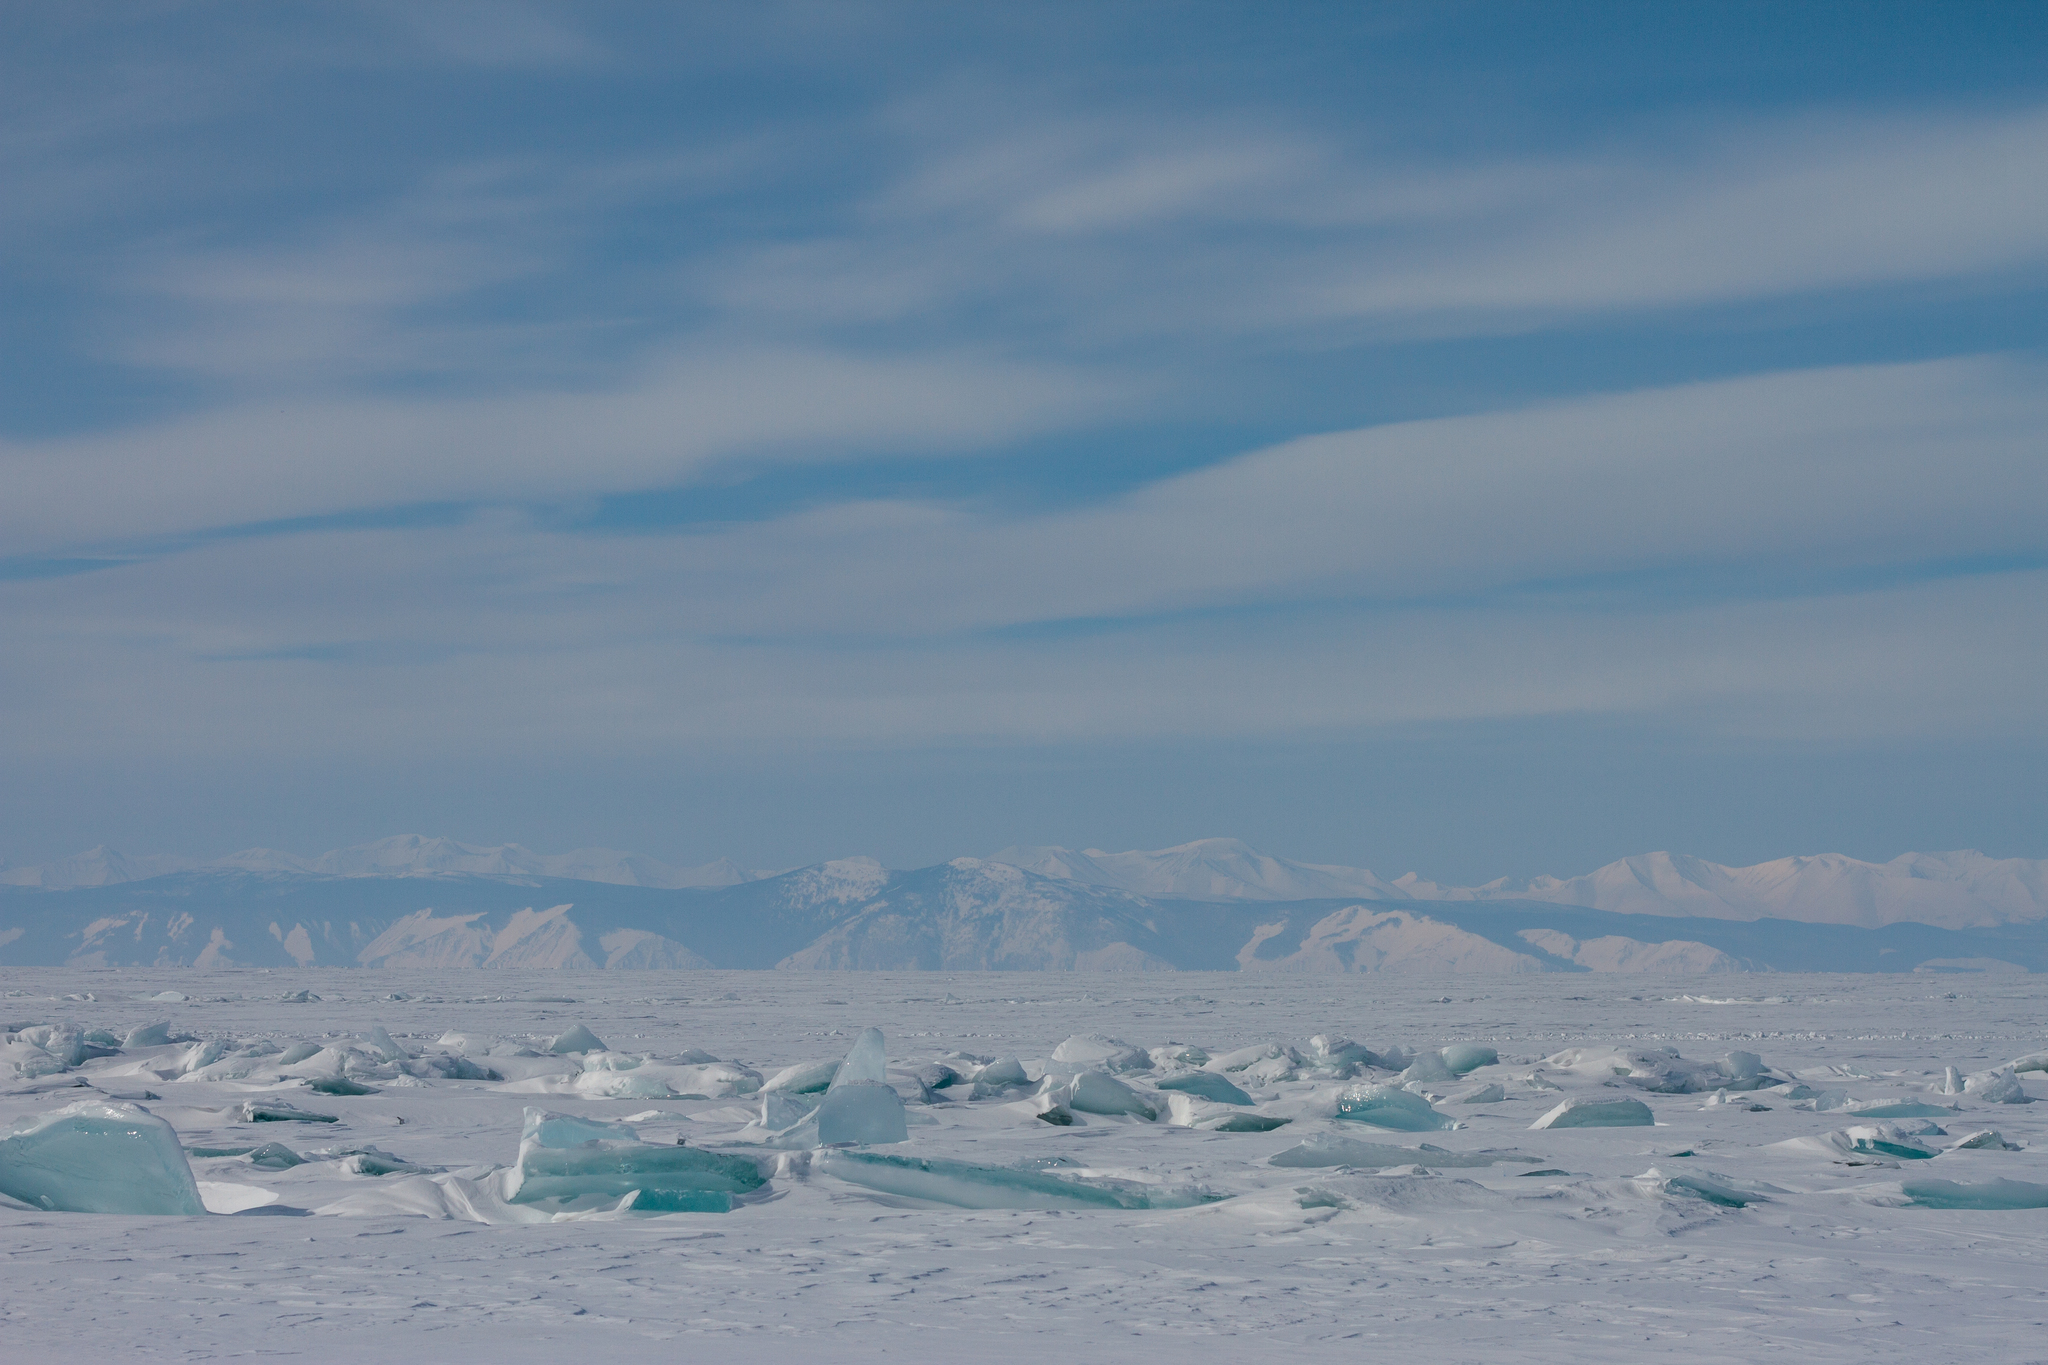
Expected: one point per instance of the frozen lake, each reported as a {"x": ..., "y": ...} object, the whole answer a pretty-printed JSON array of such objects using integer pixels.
[{"x": 1568, "y": 1247}]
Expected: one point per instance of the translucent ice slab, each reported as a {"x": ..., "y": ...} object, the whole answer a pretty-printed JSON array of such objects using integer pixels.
[
  {"x": 1386, "y": 1106},
  {"x": 1989, "y": 1195},
  {"x": 98, "y": 1157},
  {"x": 968, "y": 1186},
  {"x": 866, "y": 1060}
]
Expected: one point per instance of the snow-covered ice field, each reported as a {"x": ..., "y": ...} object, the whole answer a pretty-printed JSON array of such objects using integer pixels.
[{"x": 1779, "y": 1221}]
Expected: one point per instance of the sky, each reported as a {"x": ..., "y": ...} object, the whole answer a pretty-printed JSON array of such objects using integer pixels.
[{"x": 1475, "y": 439}]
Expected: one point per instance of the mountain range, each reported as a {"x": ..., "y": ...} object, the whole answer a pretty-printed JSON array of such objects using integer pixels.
[
  {"x": 1961, "y": 890},
  {"x": 1211, "y": 905}
]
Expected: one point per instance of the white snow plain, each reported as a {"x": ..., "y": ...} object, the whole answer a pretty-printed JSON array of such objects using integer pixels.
[{"x": 1096, "y": 1167}]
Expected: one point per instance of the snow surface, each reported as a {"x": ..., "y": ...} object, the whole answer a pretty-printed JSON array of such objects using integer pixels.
[{"x": 1765, "y": 1216}]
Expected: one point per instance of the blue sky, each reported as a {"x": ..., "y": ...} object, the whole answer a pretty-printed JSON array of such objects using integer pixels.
[{"x": 1482, "y": 440}]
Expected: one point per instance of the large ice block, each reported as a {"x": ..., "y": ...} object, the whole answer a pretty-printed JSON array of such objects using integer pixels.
[
  {"x": 1386, "y": 1106},
  {"x": 1585, "y": 1113},
  {"x": 863, "y": 1112},
  {"x": 559, "y": 1166},
  {"x": 97, "y": 1156}
]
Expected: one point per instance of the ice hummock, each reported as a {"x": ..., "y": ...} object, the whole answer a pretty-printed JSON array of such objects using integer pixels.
[
  {"x": 1590, "y": 1113},
  {"x": 576, "y": 1038},
  {"x": 567, "y": 1162},
  {"x": 98, "y": 1156},
  {"x": 1387, "y": 1106},
  {"x": 1334, "y": 1149},
  {"x": 966, "y": 1185}
]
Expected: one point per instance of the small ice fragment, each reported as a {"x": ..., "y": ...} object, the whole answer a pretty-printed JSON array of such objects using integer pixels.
[
  {"x": 805, "y": 1078},
  {"x": 866, "y": 1060},
  {"x": 98, "y": 1157},
  {"x": 863, "y": 1112},
  {"x": 338, "y": 1085},
  {"x": 1386, "y": 1106},
  {"x": 149, "y": 1035},
  {"x": 1988, "y": 1195},
  {"x": 298, "y": 1052},
  {"x": 936, "y": 1075},
  {"x": 1208, "y": 1085},
  {"x": 1584, "y": 1113},
  {"x": 1742, "y": 1066},
  {"x": 277, "y": 1111},
  {"x": 1951, "y": 1081},
  {"x": 1463, "y": 1057},
  {"x": 275, "y": 1156},
  {"x": 169, "y": 997},
  {"x": 1002, "y": 1071},
  {"x": 1485, "y": 1094},
  {"x": 576, "y": 1038},
  {"x": 2033, "y": 1061}
]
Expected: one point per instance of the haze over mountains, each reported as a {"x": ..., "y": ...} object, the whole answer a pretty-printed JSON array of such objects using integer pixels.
[{"x": 1957, "y": 890}]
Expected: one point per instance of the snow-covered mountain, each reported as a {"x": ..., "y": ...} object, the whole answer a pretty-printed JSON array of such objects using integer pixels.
[
  {"x": 1962, "y": 890},
  {"x": 100, "y": 866},
  {"x": 1206, "y": 870}
]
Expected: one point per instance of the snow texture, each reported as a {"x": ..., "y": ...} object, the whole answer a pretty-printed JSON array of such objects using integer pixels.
[{"x": 478, "y": 1196}]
